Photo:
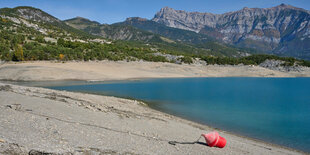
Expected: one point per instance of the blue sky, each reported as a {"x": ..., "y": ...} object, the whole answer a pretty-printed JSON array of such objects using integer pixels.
[{"x": 111, "y": 11}]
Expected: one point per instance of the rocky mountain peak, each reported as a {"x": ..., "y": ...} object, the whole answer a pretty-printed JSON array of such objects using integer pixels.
[
  {"x": 285, "y": 6},
  {"x": 166, "y": 9},
  {"x": 164, "y": 12},
  {"x": 266, "y": 29},
  {"x": 288, "y": 7},
  {"x": 35, "y": 14},
  {"x": 83, "y": 20},
  {"x": 193, "y": 21}
]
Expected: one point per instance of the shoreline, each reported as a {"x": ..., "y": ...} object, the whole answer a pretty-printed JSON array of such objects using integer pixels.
[
  {"x": 108, "y": 70},
  {"x": 255, "y": 142},
  {"x": 192, "y": 122},
  {"x": 26, "y": 73}
]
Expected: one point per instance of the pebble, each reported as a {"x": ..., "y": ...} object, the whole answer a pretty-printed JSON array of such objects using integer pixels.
[{"x": 2, "y": 141}]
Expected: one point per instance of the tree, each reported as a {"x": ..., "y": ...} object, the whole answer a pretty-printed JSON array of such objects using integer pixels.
[
  {"x": 18, "y": 54},
  {"x": 60, "y": 42},
  {"x": 187, "y": 59},
  {"x": 40, "y": 39}
]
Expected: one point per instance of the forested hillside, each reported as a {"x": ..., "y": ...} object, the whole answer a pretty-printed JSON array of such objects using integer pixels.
[{"x": 28, "y": 34}]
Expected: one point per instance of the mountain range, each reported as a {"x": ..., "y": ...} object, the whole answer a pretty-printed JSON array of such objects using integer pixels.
[
  {"x": 147, "y": 31},
  {"x": 282, "y": 30}
]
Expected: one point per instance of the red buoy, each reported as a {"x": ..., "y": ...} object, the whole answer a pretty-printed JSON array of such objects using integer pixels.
[{"x": 214, "y": 139}]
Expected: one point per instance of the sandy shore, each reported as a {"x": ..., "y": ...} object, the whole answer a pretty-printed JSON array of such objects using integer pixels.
[
  {"x": 36, "y": 120},
  {"x": 108, "y": 70},
  {"x": 42, "y": 120}
]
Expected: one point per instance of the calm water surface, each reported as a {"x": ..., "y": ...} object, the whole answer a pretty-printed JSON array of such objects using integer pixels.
[{"x": 275, "y": 110}]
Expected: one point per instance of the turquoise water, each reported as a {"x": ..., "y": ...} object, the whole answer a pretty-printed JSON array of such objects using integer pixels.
[{"x": 275, "y": 110}]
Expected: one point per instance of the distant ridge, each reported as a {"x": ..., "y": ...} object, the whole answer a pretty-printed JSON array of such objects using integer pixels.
[{"x": 282, "y": 30}]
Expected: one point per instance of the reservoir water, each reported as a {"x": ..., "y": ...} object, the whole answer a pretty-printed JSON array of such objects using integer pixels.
[{"x": 275, "y": 110}]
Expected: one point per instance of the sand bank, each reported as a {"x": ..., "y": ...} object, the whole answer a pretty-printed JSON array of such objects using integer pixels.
[{"x": 109, "y": 70}]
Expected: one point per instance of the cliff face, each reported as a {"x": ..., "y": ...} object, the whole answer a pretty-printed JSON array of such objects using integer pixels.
[
  {"x": 193, "y": 21},
  {"x": 283, "y": 29}
]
